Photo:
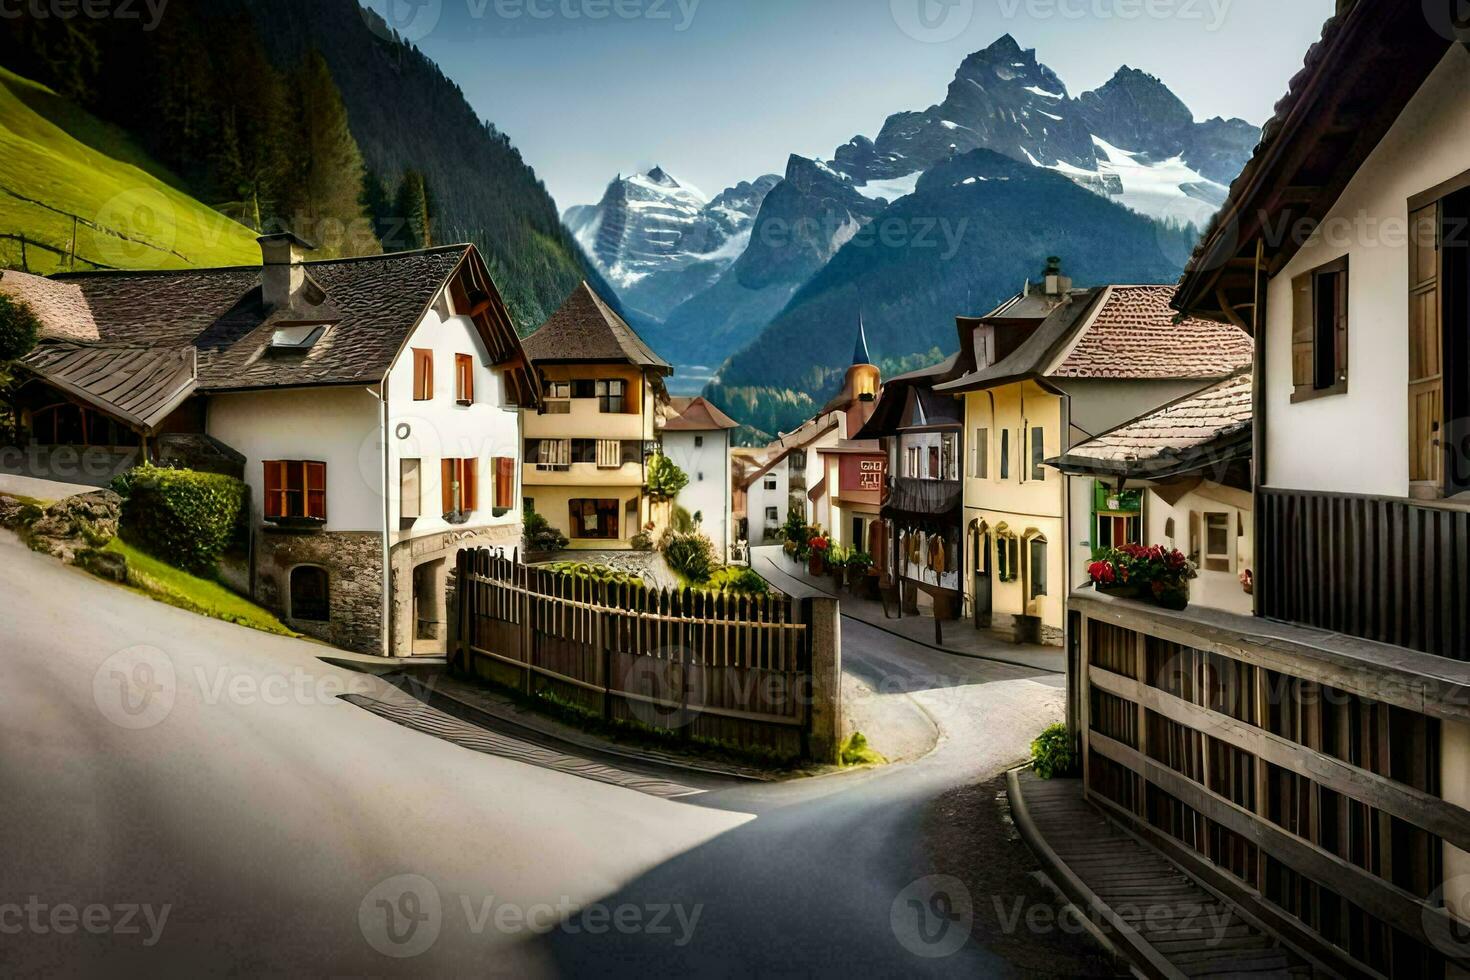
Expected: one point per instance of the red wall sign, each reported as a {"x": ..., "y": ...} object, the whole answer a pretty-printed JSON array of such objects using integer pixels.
[{"x": 864, "y": 474}]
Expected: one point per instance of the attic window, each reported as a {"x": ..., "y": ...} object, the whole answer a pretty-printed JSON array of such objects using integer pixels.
[{"x": 297, "y": 339}]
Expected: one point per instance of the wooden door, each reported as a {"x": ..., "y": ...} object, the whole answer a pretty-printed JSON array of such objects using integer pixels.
[{"x": 1426, "y": 356}]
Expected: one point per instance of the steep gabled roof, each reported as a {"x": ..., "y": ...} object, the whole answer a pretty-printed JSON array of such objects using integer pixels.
[
  {"x": 698, "y": 415},
  {"x": 1133, "y": 335},
  {"x": 1118, "y": 332},
  {"x": 1206, "y": 430},
  {"x": 586, "y": 329},
  {"x": 374, "y": 303}
]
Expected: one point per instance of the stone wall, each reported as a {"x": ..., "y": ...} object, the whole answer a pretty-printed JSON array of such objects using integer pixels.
[
  {"x": 354, "y": 564},
  {"x": 446, "y": 546}
]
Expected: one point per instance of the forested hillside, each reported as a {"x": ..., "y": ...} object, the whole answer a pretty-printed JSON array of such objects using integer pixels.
[{"x": 315, "y": 117}]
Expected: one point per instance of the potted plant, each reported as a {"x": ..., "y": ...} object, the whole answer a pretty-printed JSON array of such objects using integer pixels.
[
  {"x": 837, "y": 558},
  {"x": 817, "y": 548},
  {"x": 859, "y": 564},
  {"x": 1157, "y": 575}
]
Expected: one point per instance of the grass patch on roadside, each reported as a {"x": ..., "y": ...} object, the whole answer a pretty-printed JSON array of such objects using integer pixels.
[
  {"x": 193, "y": 594},
  {"x": 857, "y": 752}
]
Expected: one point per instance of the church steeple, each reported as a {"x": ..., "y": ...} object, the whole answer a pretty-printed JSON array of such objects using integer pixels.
[{"x": 860, "y": 349}]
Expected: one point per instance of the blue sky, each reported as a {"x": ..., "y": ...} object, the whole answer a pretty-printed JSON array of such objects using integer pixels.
[{"x": 719, "y": 91}]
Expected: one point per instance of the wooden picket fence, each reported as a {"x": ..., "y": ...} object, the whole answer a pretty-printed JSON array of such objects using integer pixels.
[{"x": 734, "y": 670}]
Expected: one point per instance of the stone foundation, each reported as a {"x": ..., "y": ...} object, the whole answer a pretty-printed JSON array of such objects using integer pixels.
[{"x": 354, "y": 566}]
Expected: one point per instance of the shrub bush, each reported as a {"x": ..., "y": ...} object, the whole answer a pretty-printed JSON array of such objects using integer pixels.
[
  {"x": 738, "y": 581},
  {"x": 184, "y": 518},
  {"x": 1052, "y": 755},
  {"x": 539, "y": 535},
  {"x": 19, "y": 329},
  {"x": 665, "y": 480},
  {"x": 692, "y": 556}
]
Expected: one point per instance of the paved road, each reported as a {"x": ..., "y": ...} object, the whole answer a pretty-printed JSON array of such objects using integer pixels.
[{"x": 153, "y": 763}]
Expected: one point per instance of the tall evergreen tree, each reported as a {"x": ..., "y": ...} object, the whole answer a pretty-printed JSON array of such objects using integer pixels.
[
  {"x": 252, "y": 168},
  {"x": 326, "y": 168},
  {"x": 411, "y": 207}
]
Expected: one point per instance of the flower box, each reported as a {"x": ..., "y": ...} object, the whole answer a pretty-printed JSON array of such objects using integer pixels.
[{"x": 1155, "y": 575}]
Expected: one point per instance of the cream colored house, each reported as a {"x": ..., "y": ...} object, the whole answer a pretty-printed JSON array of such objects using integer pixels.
[
  {"x": 1081, "y": 362},
  {"x": 587, "y": 447}
]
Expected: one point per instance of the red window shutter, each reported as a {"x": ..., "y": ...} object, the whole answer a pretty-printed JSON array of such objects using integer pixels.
[
  {"x": 446, "y": 480},
  {"x": 505, "y": 483},
  {"x": 274, "y": 481},
  {"x": 469, "y": 484},
  {"x": 316, "y": 491}
]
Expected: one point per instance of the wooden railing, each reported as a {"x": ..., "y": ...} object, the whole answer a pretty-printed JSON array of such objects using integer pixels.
[
  {"x": 718, "y": 668},
  {"x": 1383, "y": 569}
]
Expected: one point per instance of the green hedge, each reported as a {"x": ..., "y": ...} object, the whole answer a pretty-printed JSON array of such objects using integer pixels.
[{"x": 182, "y": 517}]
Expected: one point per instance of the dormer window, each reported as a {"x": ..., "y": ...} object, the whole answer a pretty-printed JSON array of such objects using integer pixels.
[{"x": 298, "y": 339}]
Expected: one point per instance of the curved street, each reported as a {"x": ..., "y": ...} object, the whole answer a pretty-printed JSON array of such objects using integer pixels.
[{"x": 179, "y": 793}]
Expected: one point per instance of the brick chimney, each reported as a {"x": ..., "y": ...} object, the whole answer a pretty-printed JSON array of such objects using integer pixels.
[
  {"x": 282, "y": 271},
  {"x": 1056, "y": 284}
]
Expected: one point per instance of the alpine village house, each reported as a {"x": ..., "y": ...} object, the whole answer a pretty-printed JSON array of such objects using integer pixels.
[
  {"x": 588, "y": 444},
  {"x": 1053, "y": 366},
  {"x": 1312, "y": 761},
  {"x": 371, "y": 405}
]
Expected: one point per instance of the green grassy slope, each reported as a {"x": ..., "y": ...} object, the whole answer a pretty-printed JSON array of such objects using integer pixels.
[{"x": 65, "y": 170}]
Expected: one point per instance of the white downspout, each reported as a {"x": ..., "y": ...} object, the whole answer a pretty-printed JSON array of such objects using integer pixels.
[{"x": 387, "y": 646}]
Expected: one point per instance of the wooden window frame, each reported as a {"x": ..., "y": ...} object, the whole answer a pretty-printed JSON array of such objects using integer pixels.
[
  {"x": 1306, "y": 329},
  {"x": 504, "y": 468},
  {"x": 423, "y": 375},
  {"x": 605, "y": 396},
  {"x": 1037, "y": 447},
  {"x": 278, "y": 493},
  {"x": 466, "y": 472},
  {"x": 576, "y": 523},
  {"x": 1032, "y": 591},
  {"x": 464, "y": 379},
  {"x": 982, "y": 454},
  {"x": 1206, "y": 556},
  {"x": 410, "y": 511}
]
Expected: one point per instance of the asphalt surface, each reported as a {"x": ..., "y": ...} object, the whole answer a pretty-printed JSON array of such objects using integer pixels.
[{"x": 179, "y": 795}]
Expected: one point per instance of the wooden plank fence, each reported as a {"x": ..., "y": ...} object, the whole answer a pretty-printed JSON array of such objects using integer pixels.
[{"x": 705, "y": 666}]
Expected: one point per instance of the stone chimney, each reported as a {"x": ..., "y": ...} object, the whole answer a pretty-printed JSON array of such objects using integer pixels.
[
  {"x": 1056, "y": 284},
  {"x": 282, "y": 273}
]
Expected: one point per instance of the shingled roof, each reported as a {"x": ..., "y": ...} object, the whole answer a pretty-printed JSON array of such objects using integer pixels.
[
  {"x": 140, "y": 386},
  {"x": 585, "y": 329},
  {"x": 1207, "y": 429},
  {"x": 375, "y": 303},
  {"x": 1118, "y": 332},
  {"x": 697, "y": 415}
]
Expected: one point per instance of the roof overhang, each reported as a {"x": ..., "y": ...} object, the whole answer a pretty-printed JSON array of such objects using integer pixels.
[
  {"x": 138, "y": 387},
  {"x": 1214, "y": 459},
  {"x": 1357, "y": 80}
]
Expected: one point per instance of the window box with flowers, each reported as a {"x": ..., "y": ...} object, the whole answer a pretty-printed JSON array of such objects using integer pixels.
[
  {"x": 1157, "y": 575},
  {"x": 818, "y": 547}
]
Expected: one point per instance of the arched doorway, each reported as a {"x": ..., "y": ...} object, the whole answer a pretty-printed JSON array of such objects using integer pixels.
[
  {"x": 311, "y": 594},
  {"x": 430, "y": 608},
  {"x": 984, "y": 605}
]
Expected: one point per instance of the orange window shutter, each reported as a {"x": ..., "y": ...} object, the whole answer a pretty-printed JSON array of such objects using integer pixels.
[
  {"x": 465, "y": 373},
  {"x": 273, "y": 488},
  {"x": 446, "y": 482},
  {"x": 505, "y": 483},
  {"x": 423, "y": 375},
  {"x": 316, "y": 491},
  {"x": 469, "y": 485}
]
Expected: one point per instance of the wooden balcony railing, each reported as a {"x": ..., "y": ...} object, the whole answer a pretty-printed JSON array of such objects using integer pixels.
[{"x": 1385, "y": 569}]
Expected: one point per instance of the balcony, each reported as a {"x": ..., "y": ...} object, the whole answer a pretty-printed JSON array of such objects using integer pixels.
[{"x": 1384, "y": 569}]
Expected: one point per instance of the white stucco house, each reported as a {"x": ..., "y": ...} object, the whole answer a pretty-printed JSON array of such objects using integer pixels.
[
  {"x": 372, "y": 405},
  {"x": 696, "y": 438}
]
